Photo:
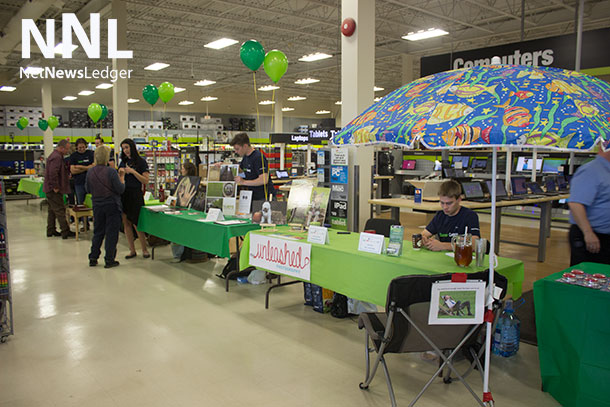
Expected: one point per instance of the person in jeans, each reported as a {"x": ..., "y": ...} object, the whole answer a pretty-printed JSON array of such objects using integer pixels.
[
  {"x": 80, "y": 162},
  {"x": 57, "y": 183},
  {"x": 106, "y": 188}
]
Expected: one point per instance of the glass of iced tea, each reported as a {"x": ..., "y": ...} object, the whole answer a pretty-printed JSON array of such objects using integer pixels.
[{"x": 462, "y": 249}]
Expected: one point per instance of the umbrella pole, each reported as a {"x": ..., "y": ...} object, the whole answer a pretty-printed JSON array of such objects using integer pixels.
[{"x": 487, "y": 398}]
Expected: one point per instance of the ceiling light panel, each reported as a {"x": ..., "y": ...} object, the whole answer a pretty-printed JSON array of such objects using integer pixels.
[
  {"x": 69, "y": 98},
  {"x": 104, "y": 86},
  {"x": 157, "y": 66},
  {"x": 424, "y": 34},
  {"x": 185, "y": 103},
  {"x": 314, "y": 57},
  {"x": 204, "y": 82},
  {"x": 7, "y": 88},
  {"x": 268, "y": 88},
  {"x": 221, "y": 43},
  {"x": 86, "y": 92},
  {"x": 296, "y": 98},
  {"x": 306, "y": 81}
]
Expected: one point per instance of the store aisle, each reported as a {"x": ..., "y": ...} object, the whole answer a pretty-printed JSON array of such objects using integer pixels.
[{"x": 153, "y": 333}]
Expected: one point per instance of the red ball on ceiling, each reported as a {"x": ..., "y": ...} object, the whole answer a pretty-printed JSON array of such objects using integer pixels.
[{"x": 348, "y": 26}]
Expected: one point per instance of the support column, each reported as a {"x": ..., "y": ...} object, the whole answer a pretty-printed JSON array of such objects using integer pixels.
[
  {"x": 120, "y": 109},
  {"x": 357, "y": 81},
  {"x": 278, "y": 124},
  {"x": 407, "y": 69},
  {"x": 47, "y": 110}
]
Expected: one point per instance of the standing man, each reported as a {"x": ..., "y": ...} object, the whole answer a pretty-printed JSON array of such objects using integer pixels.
[
  {"x": 80, "y": 162},
  {"x": 451, "y": 220},
  {"x": 255, "y": 169},
  {"x": 57, "y": 183},
  {"x": 589, "y": 212},
  {"x": 99, "y": 142}
]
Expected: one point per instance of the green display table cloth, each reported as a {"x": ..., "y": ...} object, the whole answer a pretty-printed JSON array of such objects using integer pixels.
[
  {"x": 573, "y": 328},
  {"x": 32, "y": 186},
  {"x": 340, "y": 267},
  {"x": 185, "y": 229},
  {"x": 89, "y": 204}
]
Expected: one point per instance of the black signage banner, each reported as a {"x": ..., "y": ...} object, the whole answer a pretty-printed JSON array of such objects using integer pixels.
[
  {"x": 314, "y": 136},
  {"x": 558, "y": 52},
  {"x": 338, "y": 209}
]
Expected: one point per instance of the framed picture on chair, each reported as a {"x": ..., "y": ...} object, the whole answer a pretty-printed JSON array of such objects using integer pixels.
[{"x": 457, "y": 303}]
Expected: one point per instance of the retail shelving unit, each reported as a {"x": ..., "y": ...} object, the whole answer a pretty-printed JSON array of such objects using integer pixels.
[
  {"x": 6, "y": 299},
  {"x": 164, "y": 168}
]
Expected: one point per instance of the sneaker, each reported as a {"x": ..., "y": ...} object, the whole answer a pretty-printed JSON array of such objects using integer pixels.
[
  {"x": 111, "y": 265},
  {"x": 54, "y": 234},
  {"x": 67, "y": 235},
  {"x": 92, "y": 262}
]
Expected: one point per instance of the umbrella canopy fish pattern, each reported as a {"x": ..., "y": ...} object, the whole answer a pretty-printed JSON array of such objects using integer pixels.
[{"x": 490, "y": 105}]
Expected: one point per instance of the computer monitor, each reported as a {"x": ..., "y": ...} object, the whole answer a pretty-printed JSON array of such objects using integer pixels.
[
  {"x": 472, "y": 190},
  {"x": 561, "y": 182},
  {"x": 479, "y": 163},
  {"x": 518, "y": 184},
  {"x": 500, "y": 189},
  {"x": 462, "y": 159},
  {"x": 281, "y": 174},
  {"x": 551, "y": 165},
  {"x": 448, "y": 173},
  {"x": 526, "y": 164},
  {"x": 550, "y": 185},
  {"x": 408, "y": 164}
]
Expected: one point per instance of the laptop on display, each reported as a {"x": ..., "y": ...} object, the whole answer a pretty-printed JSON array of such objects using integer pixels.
[
  {"x": 474, "y": 192},
  {"x": 562, "y": 184},
  {"x": 551, "y": 187},
  {"x": 479, "y": 164},
  {"x": 501, "y": 194},
  {"x": 536, "y": 190},
  {"x": 518, "y": 186}
]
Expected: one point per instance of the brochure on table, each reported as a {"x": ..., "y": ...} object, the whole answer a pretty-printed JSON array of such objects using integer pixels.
[
  {"x": 457, "y": 303},
  {"x": 317, "y": 234},
  {"x": 371, "y": 243}
]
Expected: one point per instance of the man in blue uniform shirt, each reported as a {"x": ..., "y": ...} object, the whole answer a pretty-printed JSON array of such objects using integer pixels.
[
  {"x": 451, "y": 220},
  {"x": 590, "y": 212},
  {"x": 254, "y": 167}
]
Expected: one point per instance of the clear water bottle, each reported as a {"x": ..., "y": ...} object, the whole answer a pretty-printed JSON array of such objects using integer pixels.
[{"x": 508, "y": 329}]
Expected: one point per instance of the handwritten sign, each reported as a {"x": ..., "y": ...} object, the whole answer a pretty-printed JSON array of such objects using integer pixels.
[
  {"x": 288, "y": 257},
  {"x": 317, "y": 234},
  {"x": 371, "y": 243}
]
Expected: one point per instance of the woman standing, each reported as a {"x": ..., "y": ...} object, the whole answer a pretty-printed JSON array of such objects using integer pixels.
[
  {"x": 106, "y": 188},
  {"x": 136, "y": 175}
]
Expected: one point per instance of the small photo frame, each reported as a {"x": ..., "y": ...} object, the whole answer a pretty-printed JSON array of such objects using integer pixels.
[{"x": 457, "y": 303}]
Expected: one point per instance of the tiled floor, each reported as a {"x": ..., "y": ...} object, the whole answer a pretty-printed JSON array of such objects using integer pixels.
[{"x": 153, "y": 333}]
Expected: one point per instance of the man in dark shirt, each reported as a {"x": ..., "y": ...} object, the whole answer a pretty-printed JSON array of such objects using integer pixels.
[
  {"x": 56, "y": 183},
  {"x": 452, "y": 220},
  {"x": 255, "y": 169},
  {"x": 80, "y": 161}
]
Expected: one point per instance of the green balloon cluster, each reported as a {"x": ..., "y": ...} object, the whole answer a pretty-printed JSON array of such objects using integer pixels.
[
  {"x": 150, "y": 94},
  {"x": 53, "y": 122},
  {"x": 95, "y": 112},
  {"x": 43, "y": 124},
  {"x": 252, "y": 54},
  {"x": 166, "y": 91},
  {"x": 275, "y": 64},
  {"x": 22, "y": 123},
  {"x": 104, "y": 112}
]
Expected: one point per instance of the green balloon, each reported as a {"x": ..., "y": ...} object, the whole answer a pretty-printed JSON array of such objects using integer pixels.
[
  {"x": 43, "y": 124},
  {"x": 252, "y": 54},
  {"x": 275, "y": 64},
  {"x": 95, "y": 112},
  {"x": 166, "y": 91},
  {"x": 23, "y": 123},
  {"x": 53, "y": 122},
  {"x": 104, "y": 111},
  {"x": 150, "y": 94}
]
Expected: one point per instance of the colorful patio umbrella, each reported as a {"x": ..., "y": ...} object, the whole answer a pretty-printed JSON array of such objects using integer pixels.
[
  {"x": 486, "y": 106},
  {"x": 490, "y": 106}
]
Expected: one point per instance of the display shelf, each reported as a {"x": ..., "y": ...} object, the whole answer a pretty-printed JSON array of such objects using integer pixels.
[
  {"x": 6, "y": 299},
  {"x": 164, "y": 168}
]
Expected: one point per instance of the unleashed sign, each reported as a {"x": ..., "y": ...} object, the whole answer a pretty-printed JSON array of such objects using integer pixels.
[{"x": 281, "y": 255}]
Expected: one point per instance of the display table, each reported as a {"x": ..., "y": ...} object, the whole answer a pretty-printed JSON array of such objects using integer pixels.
[
  {"x": 32, "y": 186},
  {"x": 545, "y": 204},
  {"x": 573, "y": 328},
  {"x": 185, "y": 229},
  {"x": 340, "y": 267}
]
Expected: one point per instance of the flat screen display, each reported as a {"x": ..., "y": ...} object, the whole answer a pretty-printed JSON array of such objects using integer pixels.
[
  {"x": 472, "y": 190},
  {"x": 479, "y": 163},
  {"x": 460, "y": 159},
  {"x": 518, "y": 184},
  {"x": 408, "y": 164},
  {"x": 500, "y": 190},
  {"x": 551, "y": 165},
  {"x": 526, "y": 164}
]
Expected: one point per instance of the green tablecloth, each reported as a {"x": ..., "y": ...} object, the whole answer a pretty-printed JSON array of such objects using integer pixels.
[
  {"x": 185, "y": 230},
  {"x": 573, "y": 328},
  {"x": 340, "y": 267},
  {"x": 31, "y": 186}
]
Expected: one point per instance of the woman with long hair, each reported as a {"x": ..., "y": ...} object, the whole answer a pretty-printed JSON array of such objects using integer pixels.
[{"x": 136, "y": 178}]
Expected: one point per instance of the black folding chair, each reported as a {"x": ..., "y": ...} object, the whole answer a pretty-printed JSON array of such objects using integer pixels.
[
  {"x": 380, "y": 226},
  {"x": 404, "y": 328}
]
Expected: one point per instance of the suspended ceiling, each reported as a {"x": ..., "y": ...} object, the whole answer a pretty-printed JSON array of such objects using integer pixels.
[{"x": 175, "y": 32}]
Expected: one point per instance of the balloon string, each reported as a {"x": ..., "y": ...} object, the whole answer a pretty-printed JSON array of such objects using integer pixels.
[
  {"x": 258, "y": 128},
  {"x": 272, "y": 109}
]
